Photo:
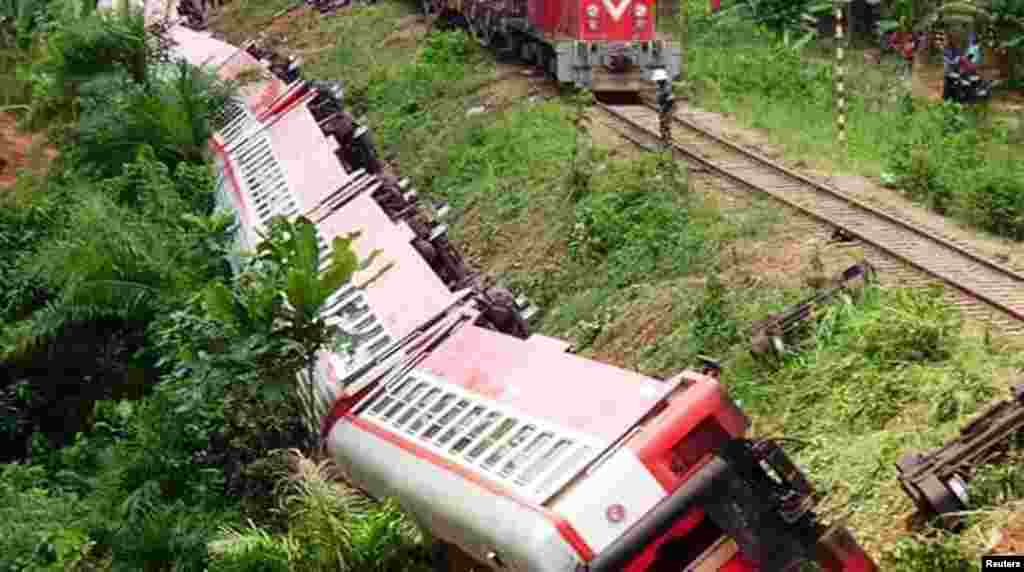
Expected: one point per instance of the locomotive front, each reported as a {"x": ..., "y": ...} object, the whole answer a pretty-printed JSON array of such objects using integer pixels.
[{"x": 617, "y": 47}]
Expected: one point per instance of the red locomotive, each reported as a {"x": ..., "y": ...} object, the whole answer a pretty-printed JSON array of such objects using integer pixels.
[
  {"x": 501, "y": 443},
  {"x": 603, "y": 45}
]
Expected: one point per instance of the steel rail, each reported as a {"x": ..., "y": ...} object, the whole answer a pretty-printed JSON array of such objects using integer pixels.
[{"x": 1009, "y": 275}]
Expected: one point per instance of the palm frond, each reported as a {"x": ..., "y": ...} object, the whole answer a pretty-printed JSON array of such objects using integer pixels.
[{"x": 88, "y": 301}]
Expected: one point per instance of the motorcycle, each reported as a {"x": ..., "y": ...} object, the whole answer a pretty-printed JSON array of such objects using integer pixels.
[
  {"x": 967, "y": 89},
  {"x": 963, "y": 84}
]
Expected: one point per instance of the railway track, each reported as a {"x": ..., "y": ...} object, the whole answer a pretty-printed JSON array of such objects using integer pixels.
[{"x": 987, "y": 289}]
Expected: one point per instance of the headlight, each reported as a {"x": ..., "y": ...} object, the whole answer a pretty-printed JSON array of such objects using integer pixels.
[
  {"x": 640, "y": 11},
  {"x": 593, "y": 11}
]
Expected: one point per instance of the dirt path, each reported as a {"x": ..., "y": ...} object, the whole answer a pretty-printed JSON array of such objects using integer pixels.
[{"x": 19, "y": 151}]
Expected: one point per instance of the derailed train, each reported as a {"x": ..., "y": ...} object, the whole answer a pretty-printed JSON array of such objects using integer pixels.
[{"x": 497, "y": 441}]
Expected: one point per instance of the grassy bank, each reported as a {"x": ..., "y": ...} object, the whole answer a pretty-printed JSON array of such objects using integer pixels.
[
  {"x": 636, "y": 269},
  {"x": 962, "y": 163}
]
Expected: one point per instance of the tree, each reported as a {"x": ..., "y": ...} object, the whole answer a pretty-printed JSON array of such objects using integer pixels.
[
  {"x": 118, "y": 254},
  {"x": 284, "y": 307}
]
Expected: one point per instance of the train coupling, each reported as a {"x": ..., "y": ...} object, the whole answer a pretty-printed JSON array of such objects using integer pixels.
[{"x": 758, "y": 497}]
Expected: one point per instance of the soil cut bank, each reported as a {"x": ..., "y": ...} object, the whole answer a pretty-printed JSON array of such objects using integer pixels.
[{"x": 19, "y": 151}]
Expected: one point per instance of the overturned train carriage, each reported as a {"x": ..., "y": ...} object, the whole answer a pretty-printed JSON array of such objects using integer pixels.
[
  {"x": 603, "y": 45},
  {"x": 498, "y": 441},
  {"x": 532, "y": 459}
]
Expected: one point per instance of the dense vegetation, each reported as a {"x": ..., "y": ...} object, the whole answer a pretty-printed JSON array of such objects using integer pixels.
[{"x": 144, "y": 387}]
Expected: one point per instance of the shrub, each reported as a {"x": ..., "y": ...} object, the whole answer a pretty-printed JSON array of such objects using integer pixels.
[
  {"x": 449, "y": 49},
  {"x": 916, "y": 326},
  {"x": 778, "y": 14},
  {"x": 997, "y": 200},
  {"x": 640, "y": 223},
  {"x": 936, "y": 158},
  {"x": 330, "y": 527},
  {"x": 37, "y": 526},
  {"x": 171, "y": 115},
  {"x": 251, "y": 550},
  {"x": 925, "y": 555}
]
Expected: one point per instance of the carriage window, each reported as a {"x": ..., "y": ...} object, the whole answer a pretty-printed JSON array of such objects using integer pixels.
[
  {"x": 389, "y": 395},
  {"x": 463, "y": 425},
  {"x": 493, "y": 438},
  {"x": 417, "y": 407},
  {"x": 521, "y": 436},
  {"x": 544, "y": 462},
  {"x": 431, "y": 412},
  {"x": 446, "y": 419},
  {"x": 405, "y": 398},
  {"x": 471, "y": 435},
  {"x": 526, "y": 454}
]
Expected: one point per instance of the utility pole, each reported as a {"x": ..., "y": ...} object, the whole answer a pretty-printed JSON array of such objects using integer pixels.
[
  {"x": 666, "y": 101},
  {"x": 840, "y": 88}
]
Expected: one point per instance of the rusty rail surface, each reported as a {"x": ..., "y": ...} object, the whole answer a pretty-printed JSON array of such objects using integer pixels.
[
  {"x": 937, "y": 481},
  {"x": 995, "y": 285},
  {"x": 767, "y": 335}
]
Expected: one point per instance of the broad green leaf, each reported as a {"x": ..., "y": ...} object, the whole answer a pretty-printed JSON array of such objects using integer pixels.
[
  {"x": 307, "y": 253},
  {"x": 220, "y": 303},
  {"x": 301, "y": 291},
  {"x": 274, "y": 392},
  {"x": 344, "y": 264}
]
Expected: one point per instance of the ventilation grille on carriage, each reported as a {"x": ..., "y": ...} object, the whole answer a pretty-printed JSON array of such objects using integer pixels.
[
  {"x": 263, "y": 181},
  {"x": 350, "y": 311},
  {"x": 532, "y": 457},
  {"x": 260, "y": 174}
]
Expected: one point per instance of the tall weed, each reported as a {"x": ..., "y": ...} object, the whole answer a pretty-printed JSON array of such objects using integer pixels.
[
  {"x": 890, "y": 373},
  {"x": 937, "y": 158},
  {"x": 919, "y": 554},
  {"x": 330, "y": 527}
]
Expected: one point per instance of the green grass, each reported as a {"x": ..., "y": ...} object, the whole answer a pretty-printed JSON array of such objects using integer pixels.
[
  {"x": 959, "y": 162},
  {"x": 14, "y": 89}
]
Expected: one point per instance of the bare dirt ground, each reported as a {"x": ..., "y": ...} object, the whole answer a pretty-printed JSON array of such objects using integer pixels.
[
  {"x": 19, "y": 151},
  {"x": 1010, "y": 540}
]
